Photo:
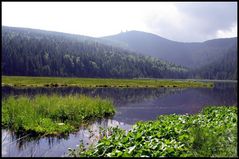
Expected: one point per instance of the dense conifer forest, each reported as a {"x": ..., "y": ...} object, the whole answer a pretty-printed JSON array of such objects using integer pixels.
[
  {"x": 31, "y": 52},
  {"x": 40, "y": 53}
]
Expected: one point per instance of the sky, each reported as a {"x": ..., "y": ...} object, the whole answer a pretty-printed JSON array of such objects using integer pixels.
[{"x": 178, "y": 21}]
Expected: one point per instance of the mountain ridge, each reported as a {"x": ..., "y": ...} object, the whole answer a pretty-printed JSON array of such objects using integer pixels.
[{"x": 180, "y": 53}]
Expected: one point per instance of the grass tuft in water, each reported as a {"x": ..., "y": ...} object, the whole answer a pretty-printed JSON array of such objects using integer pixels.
[{"x": 52, "y": 114}]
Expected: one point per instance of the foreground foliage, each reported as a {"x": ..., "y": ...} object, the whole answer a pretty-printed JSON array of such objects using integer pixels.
[
  {"x": 52, "y": 114},
  {"x": 212, "y": 132},
  {"x": 22, "y": 81}
]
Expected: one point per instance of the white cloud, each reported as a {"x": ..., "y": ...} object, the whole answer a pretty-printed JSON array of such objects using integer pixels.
[
  {"x": 231, "y": 32},
  {"x": 97, "y": 19},
  {"x": 190, "y": 22}
]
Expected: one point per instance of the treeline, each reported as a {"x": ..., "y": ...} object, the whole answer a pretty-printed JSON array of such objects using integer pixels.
[{"x": 29, "y": 52}]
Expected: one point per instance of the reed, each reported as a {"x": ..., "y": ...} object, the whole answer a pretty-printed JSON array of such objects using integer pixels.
[{"x": 52, "y": 114}]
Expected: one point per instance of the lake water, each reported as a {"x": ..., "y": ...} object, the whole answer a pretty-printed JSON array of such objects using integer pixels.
[{"x": 132, "y": 105}]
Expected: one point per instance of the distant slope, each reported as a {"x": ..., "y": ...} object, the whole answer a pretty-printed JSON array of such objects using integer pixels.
[
  {"x": 34, "y": 52},
  {"x": 193, "y": 55},
  {"x": 224, "y": 68}
]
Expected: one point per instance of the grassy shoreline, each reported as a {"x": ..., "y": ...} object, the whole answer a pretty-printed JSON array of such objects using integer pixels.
[
  {"x": 52, "y": 115},
  {"x": 210, "y": 133},
  {"x": 24, "y": 81}
]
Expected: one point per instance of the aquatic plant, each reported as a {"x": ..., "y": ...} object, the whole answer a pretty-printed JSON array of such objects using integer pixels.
[{"x": 211, "y": 133}]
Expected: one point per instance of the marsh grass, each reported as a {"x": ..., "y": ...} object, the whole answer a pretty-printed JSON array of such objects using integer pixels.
[
  {"x": 211, "y": 133},
  {"x": 24, "y": 81},
  {"x": 52, "y": 114}
]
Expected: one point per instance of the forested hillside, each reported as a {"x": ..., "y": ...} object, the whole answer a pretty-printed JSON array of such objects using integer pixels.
[
  {"x": 223, "y": 68},
  {"x": 31, "y": 52},
  {"x": 34, "y": 52}
]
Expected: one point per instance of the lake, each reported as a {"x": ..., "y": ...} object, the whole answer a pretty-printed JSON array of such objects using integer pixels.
[{"x": 132, "y": 105}]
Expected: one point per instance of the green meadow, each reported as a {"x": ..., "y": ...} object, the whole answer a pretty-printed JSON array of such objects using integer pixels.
[
  {"x": 24, "y": 81},
  {"x": 210, "y": 133},
  {"x": 52, "y": 115}
]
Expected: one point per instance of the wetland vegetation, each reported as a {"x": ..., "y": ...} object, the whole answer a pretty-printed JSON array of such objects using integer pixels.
[
  {"x": 49, "y": 115},
  {"x": 24, "y": 81},
  {"x": 210, "y": 133}
]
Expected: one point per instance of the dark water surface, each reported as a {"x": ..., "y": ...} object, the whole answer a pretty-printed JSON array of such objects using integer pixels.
[{"x": 132, "y": 105}]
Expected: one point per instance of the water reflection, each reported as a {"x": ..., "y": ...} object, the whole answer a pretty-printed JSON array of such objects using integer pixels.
[
  {"x": 190, "y": 101},
  {"x": 132, "y": 105},
  {"x": 54, "y": 146},
  {"x": 119, "y": 96}
]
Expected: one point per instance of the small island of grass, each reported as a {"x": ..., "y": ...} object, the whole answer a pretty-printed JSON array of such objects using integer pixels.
[
  {"x": 52, "y": 115},
  {"x": 26, "y": 81}
]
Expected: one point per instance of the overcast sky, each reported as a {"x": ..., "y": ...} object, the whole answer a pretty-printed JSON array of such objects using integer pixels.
[{"x": 186, "y": 22}]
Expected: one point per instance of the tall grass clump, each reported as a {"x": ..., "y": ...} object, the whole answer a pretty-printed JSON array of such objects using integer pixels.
[
  {"x": 52, "y": 114},
  {"x": 211, "y": 133}
]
